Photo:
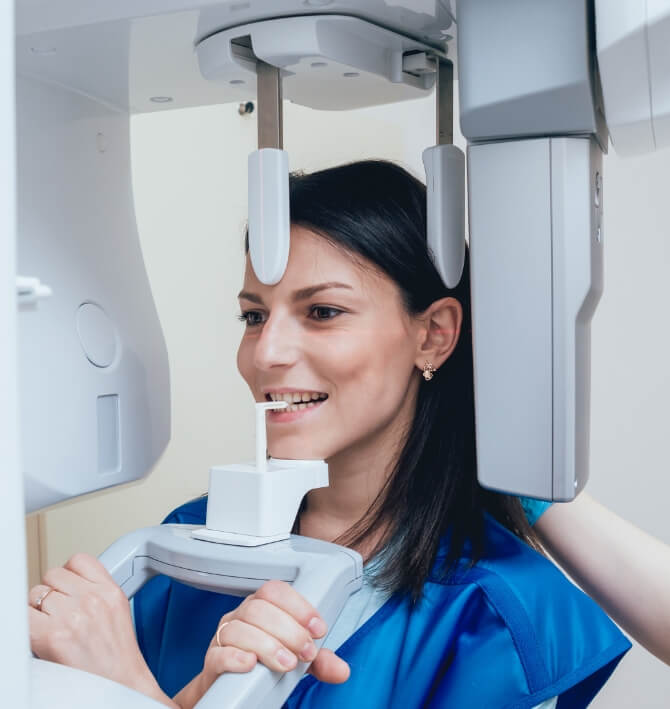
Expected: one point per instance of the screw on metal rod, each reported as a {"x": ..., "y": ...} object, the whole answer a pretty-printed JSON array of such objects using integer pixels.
[
  {"x": 270, "y": 120},
  {"x": 245, "y": 108},
  {"x": 444, "y": 102}
]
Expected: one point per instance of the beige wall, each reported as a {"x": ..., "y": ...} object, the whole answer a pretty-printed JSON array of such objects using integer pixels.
[{"x": 189, "y": 172}]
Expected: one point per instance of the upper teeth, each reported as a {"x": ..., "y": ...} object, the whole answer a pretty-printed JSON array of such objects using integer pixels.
[{"x": 293, "y": 397}]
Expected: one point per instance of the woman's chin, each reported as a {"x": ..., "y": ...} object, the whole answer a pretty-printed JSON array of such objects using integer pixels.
[{"x": 296, "y": 453}]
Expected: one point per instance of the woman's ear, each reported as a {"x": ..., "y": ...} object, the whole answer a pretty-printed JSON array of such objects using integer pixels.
[{"x": 441, "y": 328}]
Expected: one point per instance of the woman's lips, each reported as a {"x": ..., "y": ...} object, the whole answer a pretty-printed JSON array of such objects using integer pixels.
[{"x": 283, "y": 416}]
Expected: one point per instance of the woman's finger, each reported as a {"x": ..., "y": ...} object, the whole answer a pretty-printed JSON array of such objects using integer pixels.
[
  {"x": 238, "y": 634},
  {"x": 39, "y": 631},
  {"x": 279, "y": 624},
  {"x": 284, "y": 596},
  {"x": 328, "y": 667},
  {"x": 66, "y": 582},
  {"x": 228, "y": 659},
  {"x": 52, "y": 603},
  {"x": 37, "y": 594},
  {"x": 89, "y": 568}
]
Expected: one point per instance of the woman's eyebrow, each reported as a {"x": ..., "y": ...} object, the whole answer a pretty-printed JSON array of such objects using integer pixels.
[
  {"x": 250, "y": 296},
  {"x": 308, "y": 292},
  {"x": 301, "y": 294}
]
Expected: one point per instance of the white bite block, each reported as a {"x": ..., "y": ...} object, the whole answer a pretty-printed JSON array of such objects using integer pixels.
[{"x": 249, "y": 503}]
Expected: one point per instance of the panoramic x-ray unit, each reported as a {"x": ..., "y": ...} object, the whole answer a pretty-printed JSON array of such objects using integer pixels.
[{"x": 84, "y": 381}]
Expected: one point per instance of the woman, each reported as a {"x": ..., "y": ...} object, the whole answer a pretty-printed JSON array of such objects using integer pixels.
[{"x": 457, "y": 608}]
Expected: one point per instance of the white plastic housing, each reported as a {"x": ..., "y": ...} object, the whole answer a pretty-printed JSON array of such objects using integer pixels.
[
  {"x": 328, "y": 62},
  {"x": 54, "y": 685},
  {"x": 94, "y": 404},
  {"x": 245, "y": 501},
  {"x": 14, "y": 652}
]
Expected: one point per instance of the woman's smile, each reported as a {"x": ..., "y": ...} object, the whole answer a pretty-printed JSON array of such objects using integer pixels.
[{"x": 300, "y": 403}]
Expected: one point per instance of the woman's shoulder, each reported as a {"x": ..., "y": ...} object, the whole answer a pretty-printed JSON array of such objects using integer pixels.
[
  {"x": 191, "y": 512},
  {"x": 562, "y": 639},
  {"x": 526, "y": 588},
  {"x": 517, "y": 579},
  {"x": 510, "y": 631}
]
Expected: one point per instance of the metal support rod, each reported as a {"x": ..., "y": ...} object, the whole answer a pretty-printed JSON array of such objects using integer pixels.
[
  {"x": 270, "y": 121},
  {"x": 444, "y": 102}
]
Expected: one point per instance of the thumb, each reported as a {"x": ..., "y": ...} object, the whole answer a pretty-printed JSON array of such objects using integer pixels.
[{"x": 328, "y": 667}]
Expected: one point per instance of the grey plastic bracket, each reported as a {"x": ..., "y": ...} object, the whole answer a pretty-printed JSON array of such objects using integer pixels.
[
  {"x": 444, "y": 164},
  {"x": 554, "y": 96},
  {"x": 537, "y": 274},
  {"x": 445, "y": 210}
]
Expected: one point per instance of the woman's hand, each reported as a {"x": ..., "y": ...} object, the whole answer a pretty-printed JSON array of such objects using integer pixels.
[
  {"x": 275, "y": 626},
  {"x": 79, "y": 617}
]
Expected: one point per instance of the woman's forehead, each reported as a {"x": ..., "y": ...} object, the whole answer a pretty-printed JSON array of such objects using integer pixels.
[{"x": 315, "y": 259}]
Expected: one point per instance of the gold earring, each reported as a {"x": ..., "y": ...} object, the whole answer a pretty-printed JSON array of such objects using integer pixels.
[{"x": 428, "y": 371}]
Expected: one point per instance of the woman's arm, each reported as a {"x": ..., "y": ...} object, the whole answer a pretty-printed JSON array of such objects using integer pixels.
[{"x": 624, "y": 569}]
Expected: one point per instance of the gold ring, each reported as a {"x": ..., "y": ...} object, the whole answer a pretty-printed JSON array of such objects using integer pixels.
[
  {"x": 40, "y": 600},
  {"x": 218, "y": 640}
]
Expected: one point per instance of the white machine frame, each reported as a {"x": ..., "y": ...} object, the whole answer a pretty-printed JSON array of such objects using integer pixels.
[{"x": 92, "y": 64}]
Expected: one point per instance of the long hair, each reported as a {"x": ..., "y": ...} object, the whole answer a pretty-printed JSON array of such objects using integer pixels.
[{"x": 377, "y": 210}]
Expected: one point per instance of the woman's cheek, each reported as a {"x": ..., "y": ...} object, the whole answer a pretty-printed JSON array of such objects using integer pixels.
[{"x": 245, "y": 361}]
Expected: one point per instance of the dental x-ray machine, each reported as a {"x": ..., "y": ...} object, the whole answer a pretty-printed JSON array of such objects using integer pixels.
[{"x": 83, "y": 360}]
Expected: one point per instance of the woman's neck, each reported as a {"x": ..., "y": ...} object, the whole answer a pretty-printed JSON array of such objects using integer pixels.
[{"x": 356, "y": 477}]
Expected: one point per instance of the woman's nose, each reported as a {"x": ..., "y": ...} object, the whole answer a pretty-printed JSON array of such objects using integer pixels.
[{"x": 277, "y": 345}]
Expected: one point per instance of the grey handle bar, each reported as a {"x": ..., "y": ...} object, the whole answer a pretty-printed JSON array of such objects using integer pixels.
[{"x": 325, "y": 574}]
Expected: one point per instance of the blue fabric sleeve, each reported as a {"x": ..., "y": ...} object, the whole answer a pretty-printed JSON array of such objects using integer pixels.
[{"x": 534, "y": 508}]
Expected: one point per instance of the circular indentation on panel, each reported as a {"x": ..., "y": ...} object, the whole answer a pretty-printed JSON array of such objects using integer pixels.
[
  {"x": 236, "y": 82},
  {"x": 318, "y": 65},
  {"x": 350, "y": 74},
  {"x": 317, "y": 3},
  {"x": 97, "y": 334}
]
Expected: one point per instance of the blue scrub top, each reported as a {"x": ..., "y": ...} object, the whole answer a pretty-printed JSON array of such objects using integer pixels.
[{"x": 510, "y": 632}]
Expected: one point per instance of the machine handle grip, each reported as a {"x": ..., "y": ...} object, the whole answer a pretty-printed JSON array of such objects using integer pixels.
[
  {"x": 324, "y": 574},
  {"x": 262, "y": 687}
]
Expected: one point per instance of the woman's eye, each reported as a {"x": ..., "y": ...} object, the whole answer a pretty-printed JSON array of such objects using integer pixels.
[
  {"x": 251, "y": 317},
  {"x": 317, "y": 312},
  {"x": 323, "y": 312}
]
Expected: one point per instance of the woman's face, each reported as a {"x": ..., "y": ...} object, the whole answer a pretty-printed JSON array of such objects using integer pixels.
[{"x": 333, "y": 338}]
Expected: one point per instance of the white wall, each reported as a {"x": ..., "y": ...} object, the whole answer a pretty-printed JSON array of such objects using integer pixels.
[{"x": 189, "y": 172}]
